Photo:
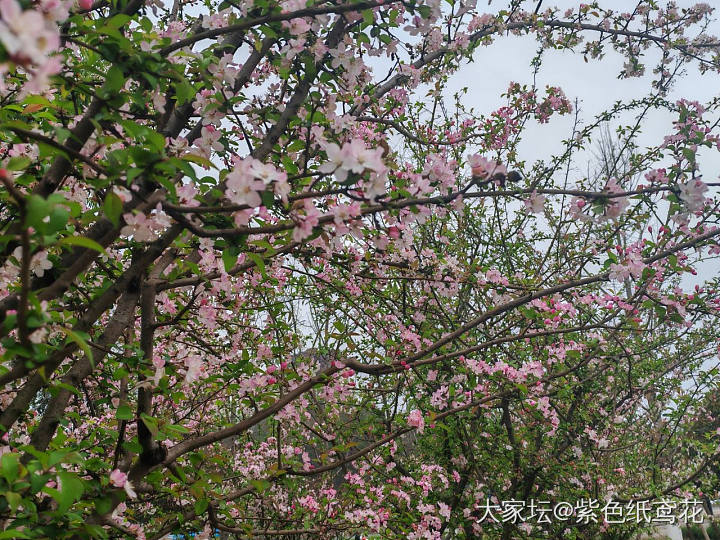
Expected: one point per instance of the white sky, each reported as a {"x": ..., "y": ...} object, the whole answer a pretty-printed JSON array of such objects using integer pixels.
[{"x": 594, "y": 83}]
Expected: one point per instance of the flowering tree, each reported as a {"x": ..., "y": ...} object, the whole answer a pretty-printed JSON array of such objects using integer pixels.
[{"x": 261, "y": 275}]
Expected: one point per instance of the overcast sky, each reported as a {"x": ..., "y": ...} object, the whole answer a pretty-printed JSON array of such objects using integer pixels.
[{"x": 594, "y": 84}]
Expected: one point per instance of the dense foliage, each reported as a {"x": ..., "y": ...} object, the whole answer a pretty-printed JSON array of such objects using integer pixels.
[{"x": 263, "y": 274}]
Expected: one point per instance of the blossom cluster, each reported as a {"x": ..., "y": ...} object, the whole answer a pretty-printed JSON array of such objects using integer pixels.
[{"x": 29, "y": 38}]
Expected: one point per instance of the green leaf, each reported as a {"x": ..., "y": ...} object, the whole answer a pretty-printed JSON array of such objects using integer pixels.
[
  {"x": 184, "y": 166},
  {"x": 103, "y": 505},
  {"x": 268, "y": 199},
  {"x": 150, "y": 423},
  {"x": 81, "y": 342},
  {"x": 259, "y": 262},
  {"x": 124, "y": 413},
  {"x": 175, "y": 428},
  {"x": 13, "y": 499},
  {"x": 82, "y": 242},
  {"x": 184, "y": 92},
  {"x": 95, "y": 531},
  {"x": 296, "y": 145},
  {"x": 71, "y": 489},
  {"x": 229, "y": 257},
  {"x": 113, "y": 207},
  {"x": 179, "y": 473},
  {"x": 200, "y": 506},
  {"x": 114, "y": 80},
  {"x": 47, "y": 216},
  {"x": 121, "y": 19},
  {"x": 37, "y": 100},
  {"x": 45, "y": 150},
  {"x": 38, "y": 481},
  {"x": 53, "y": 458},
  {"x": 260, "y": 485},
  {"x": 59, "y": 216},
  {"x": 37, "y": 209},
  {"x": 194, "y": 158},
  {"x": 133, "y": 173},
  {"x": 13, "y": 533},
  {"x": 10, "y": 465},
  {"x": 18, "y": 163}
]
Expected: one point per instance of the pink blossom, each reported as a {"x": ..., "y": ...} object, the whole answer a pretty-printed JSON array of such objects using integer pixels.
[
  {"x": 186, "y": 193},
  {"x": 223, "y": 71},
  {"x": 242, "y": 187},
  {"x": 416, "y": 420},
  {"x": 494, "y": 276},
  {"x": 304, "y": 224},
  {"x": 123, "y": 193},
  {"x": 439, "y": 169},
  {"x": 485, "y": 168},
  {"x": 139, "y": 227},
  {"x": 195, "y": 367},
  {"x": 119, "y": 479},
  {"x": 345, "y": 212},
  {"x": 208, "y": 141},
  {"x": 39, "y": 262},
  {"x": 25, "y": 34},
  {"x": 535, "y": 203},
  {"x": 440, "y": 397},
  {"x": 616, "y": 205},
  {"x": 692, "y": 194},
  {"x": 354, "y": 157},
  {"x": 249, "y": 178},
  {"x": 633, "y": 266}
]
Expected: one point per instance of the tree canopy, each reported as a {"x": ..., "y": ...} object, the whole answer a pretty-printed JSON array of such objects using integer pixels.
[{"x": 264, "y": 275}]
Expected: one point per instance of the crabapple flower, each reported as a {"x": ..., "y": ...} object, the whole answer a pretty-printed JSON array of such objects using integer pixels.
[
  {"x": 535, "y": 203},
  {"x": 194, "y": 366},
  {"x": 223, "y": 71},
  {"x": 119, "y": 479},
  {"x": 615, "y": 205},
  {"x": 244, "y": 189},
  {"x": 123, "y": 193},
  {"x": 266, "y": 172},
  {"x": 632, "y": 266},
  {"x": 416, "y": 420},
  {"x": 208, "y": 141},
  {"x": 692, "y": 194},
  {"x": 354, "y": 157},
  {"x": 186, "y": 193},
  {"x": 207, "y": 108},
  {"x": 439, "y": 169},
  {"x": 304, "y": 224},
  {"x": 343, "y": 213},
  {"x": 55, "y": 11},
  {"x": 481, "y": 167},
  {"x": 249, "y": 178},
  {"x": 40, "y": 79},
  {"x": 145, "y": 228},
  {"x": 26, "y": 35},
  {"x": 376, "y": 186},
  {"x": 39, "y": 262}
]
